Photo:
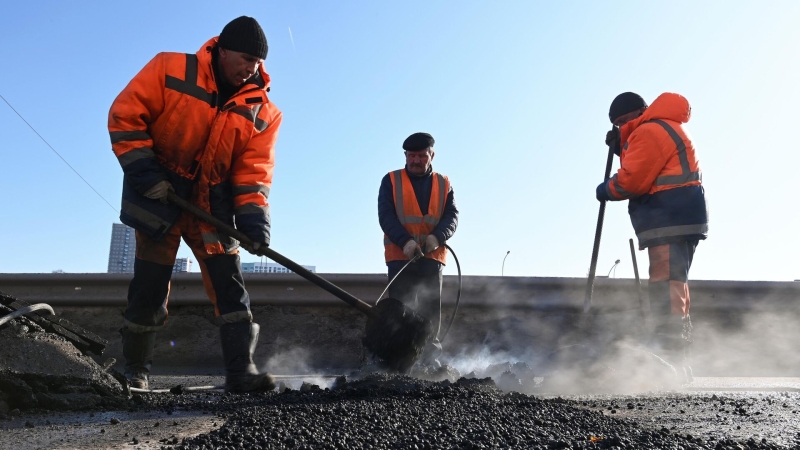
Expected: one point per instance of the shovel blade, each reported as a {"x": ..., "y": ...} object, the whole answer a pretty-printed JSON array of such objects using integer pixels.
[{"x": 396, "y": 335}]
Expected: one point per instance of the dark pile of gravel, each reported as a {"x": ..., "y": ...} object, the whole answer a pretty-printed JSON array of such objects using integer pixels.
[
  {"x": 383, "y": 411},
  {"x": 41, "y": 371}
]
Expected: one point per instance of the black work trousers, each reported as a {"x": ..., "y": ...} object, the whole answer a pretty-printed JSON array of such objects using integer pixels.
[
  {"x": 148, "y": 292},
  {"x": 419, "y": 287}
]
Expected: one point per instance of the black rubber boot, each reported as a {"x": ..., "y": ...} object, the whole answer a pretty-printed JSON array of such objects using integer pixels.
[
  {"x": 238, "y": 345},
  {"x": 671, "y": 341},
  {"x": 138, "y": 351}
]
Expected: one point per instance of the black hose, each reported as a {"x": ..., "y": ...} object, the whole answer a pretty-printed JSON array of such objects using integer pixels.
[
  {"x": 395, "y": 277},
  {"x": 458, "y": 296}
]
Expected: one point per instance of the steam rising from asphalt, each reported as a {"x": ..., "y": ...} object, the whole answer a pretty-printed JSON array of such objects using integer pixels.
[
  {"x": 295, "y": 361},
  {"x": 609, "y": 352},
  {"x": 552, "y": 351},
  {"x": 761, "y": 342}
]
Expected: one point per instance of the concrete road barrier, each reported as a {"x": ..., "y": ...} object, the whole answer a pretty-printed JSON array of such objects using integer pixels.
[
  {"x": 742, "y": 328},
  {"x": 101, "y": 289}
]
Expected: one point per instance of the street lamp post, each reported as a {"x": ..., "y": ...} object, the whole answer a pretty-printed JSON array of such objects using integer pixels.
[
  {"x": 503, "y": 267},
  {"x": 612, "y": 268}
]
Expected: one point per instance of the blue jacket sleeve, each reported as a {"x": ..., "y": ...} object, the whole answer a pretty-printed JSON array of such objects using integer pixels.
[
  {"x": 387, "y": 216},
  {"x": 601, "y": 193},
  {"x": 446, "y": 227},
  {"x": 254, "y": 222}
]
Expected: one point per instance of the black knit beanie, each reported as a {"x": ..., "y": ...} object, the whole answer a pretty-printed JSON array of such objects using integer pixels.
[
  {"x": 244, "y": 34},
  {"x": 625, "y": 103},
  {"x": 418, "y": 142}
]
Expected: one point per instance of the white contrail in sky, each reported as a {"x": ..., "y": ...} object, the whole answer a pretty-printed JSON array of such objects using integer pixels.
[{"x": 291, "y": 38}]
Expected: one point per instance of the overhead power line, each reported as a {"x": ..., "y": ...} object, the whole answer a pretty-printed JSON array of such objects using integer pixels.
[{"x": 59, "y": 155}]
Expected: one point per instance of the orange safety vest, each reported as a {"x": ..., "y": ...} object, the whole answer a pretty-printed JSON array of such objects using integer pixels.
[{"x": 410, "y": 215}]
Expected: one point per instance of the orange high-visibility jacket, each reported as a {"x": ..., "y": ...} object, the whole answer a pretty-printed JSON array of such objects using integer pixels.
[
  {"x": 657, "y": 155},
  {"x": 418, "y": 225},
  {"x": 660, "y": 175},
  {"x": 166, "y": 124}
]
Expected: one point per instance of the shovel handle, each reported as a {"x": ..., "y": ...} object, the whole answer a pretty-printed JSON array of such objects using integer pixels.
[
  {"x": 587, "y": 302},
  {"x": 638, "y": 283},
  {"x": 272, "y": 254}
]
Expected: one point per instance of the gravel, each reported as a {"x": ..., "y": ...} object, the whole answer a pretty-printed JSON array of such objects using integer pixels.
[{"x": 388, "y": 412}]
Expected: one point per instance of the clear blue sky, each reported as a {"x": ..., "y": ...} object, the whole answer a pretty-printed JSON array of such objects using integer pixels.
[{"x": 515, "y": 93}]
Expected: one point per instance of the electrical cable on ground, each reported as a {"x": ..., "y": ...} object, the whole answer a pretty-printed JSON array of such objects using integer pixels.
[
  {"x": 179, "y": 389},
  {"x": 23, "y": 311},
  {"x": 59, "y": 155}
]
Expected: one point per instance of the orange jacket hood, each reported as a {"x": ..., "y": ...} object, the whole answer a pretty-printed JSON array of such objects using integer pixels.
[{"x": 668, "y": 106}]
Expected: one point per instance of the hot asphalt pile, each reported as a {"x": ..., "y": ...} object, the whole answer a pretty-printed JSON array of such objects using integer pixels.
[
  {"x": 43, "y": 371},
  {"x": 389, "y": 411}
]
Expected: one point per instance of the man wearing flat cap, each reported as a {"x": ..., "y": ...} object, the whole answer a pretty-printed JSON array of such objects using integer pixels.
[
  {"x": 660, "y": 177},
  {"x": 199, "y": 125},
  {"x": 418, "y": 214}
]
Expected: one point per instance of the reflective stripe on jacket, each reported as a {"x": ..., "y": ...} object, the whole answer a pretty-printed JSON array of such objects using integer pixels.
[
  {"x": 419, "y": 226},
  {"x": 167, "y": 125},
  {"x": 660, "y": 174}
]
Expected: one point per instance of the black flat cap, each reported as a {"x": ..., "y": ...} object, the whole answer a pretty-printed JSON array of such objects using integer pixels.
[{"x": 417, "y": 142}]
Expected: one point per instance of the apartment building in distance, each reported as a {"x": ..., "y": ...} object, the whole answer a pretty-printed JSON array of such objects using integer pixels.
[
  {"x": 122, "y": 252},
  {"x": 259, "y": 267},
  {"x": 123, "y": 249},
  {"x": 182, "y": 265}
]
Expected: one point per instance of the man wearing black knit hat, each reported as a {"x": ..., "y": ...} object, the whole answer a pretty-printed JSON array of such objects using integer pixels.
[
  {"x": 417, "y": 212},
  {"x": 199, "y": 125},
  {"x": 660, "y": 177}
]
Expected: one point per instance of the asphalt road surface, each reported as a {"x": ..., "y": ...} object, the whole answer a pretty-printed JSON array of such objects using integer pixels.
[{"x": 398, "y": 412}]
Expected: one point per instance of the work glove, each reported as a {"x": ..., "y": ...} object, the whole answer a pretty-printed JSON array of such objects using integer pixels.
[
  {"x": 411, "y": 249},
  {"x": 159, "y": 191},
  {"x": 430, "y": 244},
  {"x": 613, "y": 140},
  {"x": 601, "y": 193},
  {"x": 254, "y": 247}
]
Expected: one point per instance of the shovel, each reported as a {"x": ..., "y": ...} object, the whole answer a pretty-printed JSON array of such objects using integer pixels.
[
  {"x": 394, "y": 333},
  {"x": 587, "y": 301}
]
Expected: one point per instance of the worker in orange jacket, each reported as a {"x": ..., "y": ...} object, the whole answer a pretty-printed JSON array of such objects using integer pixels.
[
  {"x": 417, "y": 213},
  {"x": 200, "y": 125},
  {"x": 660, "y": 177}
]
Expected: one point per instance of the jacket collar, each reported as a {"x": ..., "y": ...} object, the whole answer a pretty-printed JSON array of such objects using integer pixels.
[{"x": 424, "y": 175}]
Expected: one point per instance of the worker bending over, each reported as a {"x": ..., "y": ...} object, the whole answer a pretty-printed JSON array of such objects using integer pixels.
[{"x": 199, "y": 125}]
